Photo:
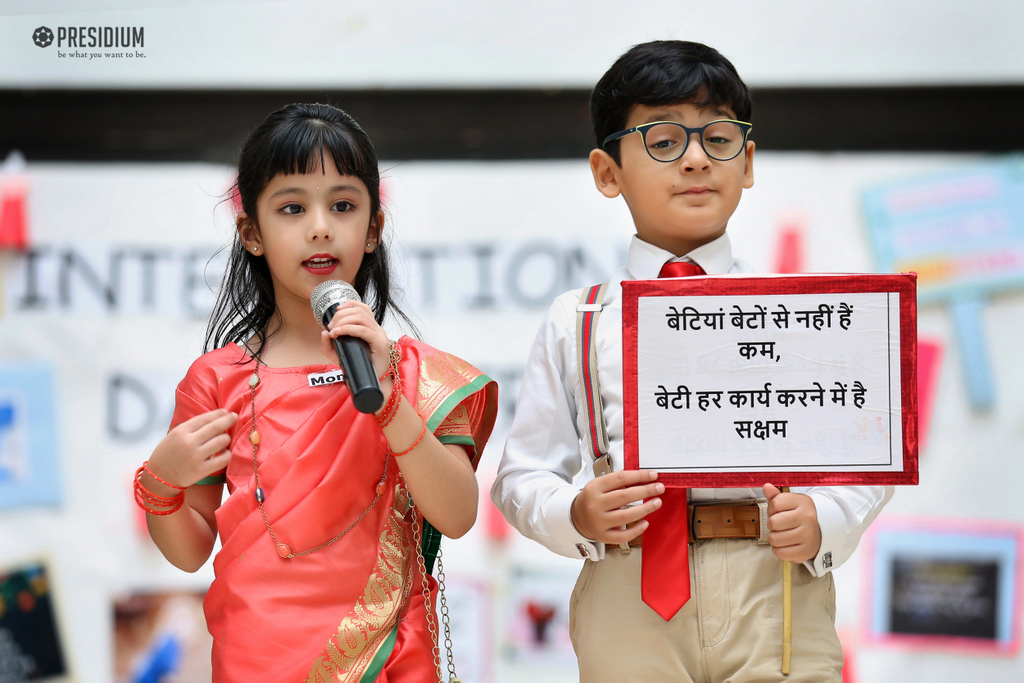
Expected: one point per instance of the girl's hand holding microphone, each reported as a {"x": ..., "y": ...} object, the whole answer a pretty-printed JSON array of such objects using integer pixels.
[
  {"x": 193, "y": 450},
  {"x": 355, "y": 319}
]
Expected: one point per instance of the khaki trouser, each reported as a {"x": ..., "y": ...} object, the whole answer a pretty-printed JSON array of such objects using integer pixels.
[{"x": 729, "y": 630}]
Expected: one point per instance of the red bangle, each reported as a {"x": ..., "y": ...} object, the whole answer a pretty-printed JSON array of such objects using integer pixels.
[
  {"x": 142, "y": 503},
  {"x": 393, "y": 410},
  {"x": 417, "y": 443},
  {"x": 145, "y": 466},
  {"x": 384, "y": 423},
  {"x": 152, "y": 503},
  {"x": 391, "y": 407}
]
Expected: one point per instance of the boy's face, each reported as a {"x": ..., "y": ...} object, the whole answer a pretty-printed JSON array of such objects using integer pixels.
[{"x": 679, "y": 205}]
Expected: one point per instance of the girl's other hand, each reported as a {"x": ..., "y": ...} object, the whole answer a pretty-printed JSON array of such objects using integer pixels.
[
  {"x": 193, "y": 450},
  {"x": 355, "y": 319}
]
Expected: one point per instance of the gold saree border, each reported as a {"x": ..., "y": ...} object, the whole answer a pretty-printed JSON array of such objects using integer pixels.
[
  {"x": 440, "y": 377},
  {"x": 353, "y": 648}
]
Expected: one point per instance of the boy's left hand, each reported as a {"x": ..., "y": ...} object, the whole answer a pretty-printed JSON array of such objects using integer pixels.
[{"x": 793, "y": 530}]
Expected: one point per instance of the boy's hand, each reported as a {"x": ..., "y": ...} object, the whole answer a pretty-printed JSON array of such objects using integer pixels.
[
  {"x": 597, "y": 511},
  {"x": 191, "y": 451},
  {"x": 793, "y": 530}
]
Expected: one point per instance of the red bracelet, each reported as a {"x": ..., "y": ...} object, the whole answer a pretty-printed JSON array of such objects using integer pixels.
[
  {"x": 391, "y": 407},
  {"x": 145, "y": 466},
  {"x": 386, "y": 418},
  {"x": 142, "y": 503},
  {"x": 147, "y": 499},
  {"x": 152, "y": 503},
  {"x": 410, "y": 448}
]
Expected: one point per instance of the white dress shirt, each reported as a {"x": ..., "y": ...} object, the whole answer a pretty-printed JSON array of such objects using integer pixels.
[{"x": 546, "y": 460}]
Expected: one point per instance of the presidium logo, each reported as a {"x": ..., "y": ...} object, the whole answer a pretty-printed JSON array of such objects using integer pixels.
[
  {"x": 42, "y": 36},
  {"x": 103, "y": 37}
]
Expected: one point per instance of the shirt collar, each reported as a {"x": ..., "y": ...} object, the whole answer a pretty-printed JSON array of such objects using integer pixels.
[{"x": 645, "y": 260}]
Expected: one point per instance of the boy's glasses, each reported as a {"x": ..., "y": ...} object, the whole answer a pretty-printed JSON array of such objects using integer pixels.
[{"x": 667, "y": 141}]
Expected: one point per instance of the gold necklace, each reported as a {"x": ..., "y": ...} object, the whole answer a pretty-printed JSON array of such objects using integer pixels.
[{"x": 283, "y": 549}]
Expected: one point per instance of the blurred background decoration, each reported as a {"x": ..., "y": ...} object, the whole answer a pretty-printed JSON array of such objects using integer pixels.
[{"x": 887, "y": 138}]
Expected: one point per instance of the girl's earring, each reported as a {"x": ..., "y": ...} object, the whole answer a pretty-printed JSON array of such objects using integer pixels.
[{"x": 255, "y": 250}]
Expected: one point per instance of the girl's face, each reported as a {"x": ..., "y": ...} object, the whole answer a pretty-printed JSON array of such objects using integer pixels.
[{"x": 312, "y": 227}]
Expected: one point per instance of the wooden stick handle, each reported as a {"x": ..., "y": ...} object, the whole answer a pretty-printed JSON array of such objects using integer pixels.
[{"x": 787, "y": 610}]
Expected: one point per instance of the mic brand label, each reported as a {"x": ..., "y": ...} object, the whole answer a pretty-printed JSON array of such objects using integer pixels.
[{"x": 323, "y": 379}]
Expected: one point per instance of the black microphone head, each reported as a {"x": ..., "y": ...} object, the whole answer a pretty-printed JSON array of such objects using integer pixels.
[{"x": 331, "y": 292}]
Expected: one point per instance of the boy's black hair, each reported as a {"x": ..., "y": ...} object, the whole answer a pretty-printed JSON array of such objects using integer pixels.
[
  {"x": 664, "y": 72},
  {"x": 294, "y": 139}
]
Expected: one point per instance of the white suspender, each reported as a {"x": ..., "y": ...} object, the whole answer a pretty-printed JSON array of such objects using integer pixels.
[{"x": 587, "y": 312}]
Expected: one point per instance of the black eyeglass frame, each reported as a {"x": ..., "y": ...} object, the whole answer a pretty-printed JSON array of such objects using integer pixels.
[{"x": 644, "y": 127}]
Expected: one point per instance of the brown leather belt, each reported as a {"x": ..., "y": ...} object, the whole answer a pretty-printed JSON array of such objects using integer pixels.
[{"x": 719, "y": 520}]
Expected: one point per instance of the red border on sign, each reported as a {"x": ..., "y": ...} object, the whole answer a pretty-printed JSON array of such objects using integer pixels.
[{"x": 905, "y": 284}]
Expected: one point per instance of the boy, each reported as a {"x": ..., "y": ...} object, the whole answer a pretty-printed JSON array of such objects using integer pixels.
[{"x": 670, "y": 124}]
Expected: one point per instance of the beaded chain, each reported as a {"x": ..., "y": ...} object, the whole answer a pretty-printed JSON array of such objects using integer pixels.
[
  {"x": 386, "y": 415},
  {"x": 417, "y": 539},
  {"x": 283, "y": 549}
]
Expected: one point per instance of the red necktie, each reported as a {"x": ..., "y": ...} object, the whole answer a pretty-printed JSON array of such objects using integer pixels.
[{"x": 665, "y": 565}]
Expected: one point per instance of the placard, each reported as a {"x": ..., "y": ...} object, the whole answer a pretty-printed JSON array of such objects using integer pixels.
[
  {"x": 942, "y": 584},
  {"x": 29, "y": 446},
  {"x": 470, "y": 608},
  {"x": 789, "y": 380},
  {"x": 161, "y": 636},
  {"x": 537, "y": 617},
  {"x": 31, "y": 645},
  {"x": 963, "y": 231}
]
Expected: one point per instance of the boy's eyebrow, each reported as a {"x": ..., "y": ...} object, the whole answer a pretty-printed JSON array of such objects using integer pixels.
[
  {"x": 667, "y": 115},
  {"x": 299, "y": 190}
]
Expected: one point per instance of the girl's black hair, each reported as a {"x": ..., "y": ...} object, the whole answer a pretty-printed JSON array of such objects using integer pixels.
[{"x": 294, "y": 139}]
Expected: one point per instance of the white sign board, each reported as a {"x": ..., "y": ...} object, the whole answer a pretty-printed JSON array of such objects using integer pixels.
[{"x": 789, "y": 380}]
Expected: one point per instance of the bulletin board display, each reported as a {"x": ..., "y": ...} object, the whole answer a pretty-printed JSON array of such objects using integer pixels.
[
  {"x": 944, "y": 584},
  {"x": 32, "y": 642}
]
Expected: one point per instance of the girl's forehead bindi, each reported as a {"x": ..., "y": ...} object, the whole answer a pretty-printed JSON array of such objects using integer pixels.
[
  {"x": 304, "y": 184},
  {"x": 299, "y": 190}
]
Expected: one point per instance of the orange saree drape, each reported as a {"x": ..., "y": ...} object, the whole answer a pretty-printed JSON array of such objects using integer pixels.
[{"x": 354, "y": 610}]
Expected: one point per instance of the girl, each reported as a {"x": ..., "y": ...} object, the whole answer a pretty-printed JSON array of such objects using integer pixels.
[{"x": 321, "y": 575}]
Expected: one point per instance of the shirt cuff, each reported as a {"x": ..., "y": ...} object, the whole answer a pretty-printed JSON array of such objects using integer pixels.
[
  {"x": 564, "y": 531},
  {"x": 832, "y": 523}
]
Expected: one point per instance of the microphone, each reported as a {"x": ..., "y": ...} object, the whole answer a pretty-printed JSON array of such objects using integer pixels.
[{"x": 353, "y": 353}]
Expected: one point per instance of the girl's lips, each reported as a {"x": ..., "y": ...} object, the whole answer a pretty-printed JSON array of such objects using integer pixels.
[
  {"x": 320, "y": 264},
  {"x": 700, "y": 189}
]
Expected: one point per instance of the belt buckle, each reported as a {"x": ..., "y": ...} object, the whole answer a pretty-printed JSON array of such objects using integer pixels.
[{"x": 762, "y": 515}]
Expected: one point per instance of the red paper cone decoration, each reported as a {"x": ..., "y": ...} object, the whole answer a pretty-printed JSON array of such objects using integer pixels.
[
  {"x": 495, "y": 526},
  {"x": 929, "y": 360},
  {"x": 13, "y": 203},
  {"x": 236, "y": 199},
  {"x": 789, "y": 254}
]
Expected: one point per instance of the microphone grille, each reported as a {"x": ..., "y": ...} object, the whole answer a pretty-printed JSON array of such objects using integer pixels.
[{"x": 331, "y": 292}]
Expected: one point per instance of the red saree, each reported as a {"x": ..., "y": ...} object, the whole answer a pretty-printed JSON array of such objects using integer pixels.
[{"x": 354, "y": 610}]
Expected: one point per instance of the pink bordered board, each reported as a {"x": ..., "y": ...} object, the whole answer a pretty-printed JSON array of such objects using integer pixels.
[
  {"x": 943, "y": 584},
  {"x": 794, "y": 380}
]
